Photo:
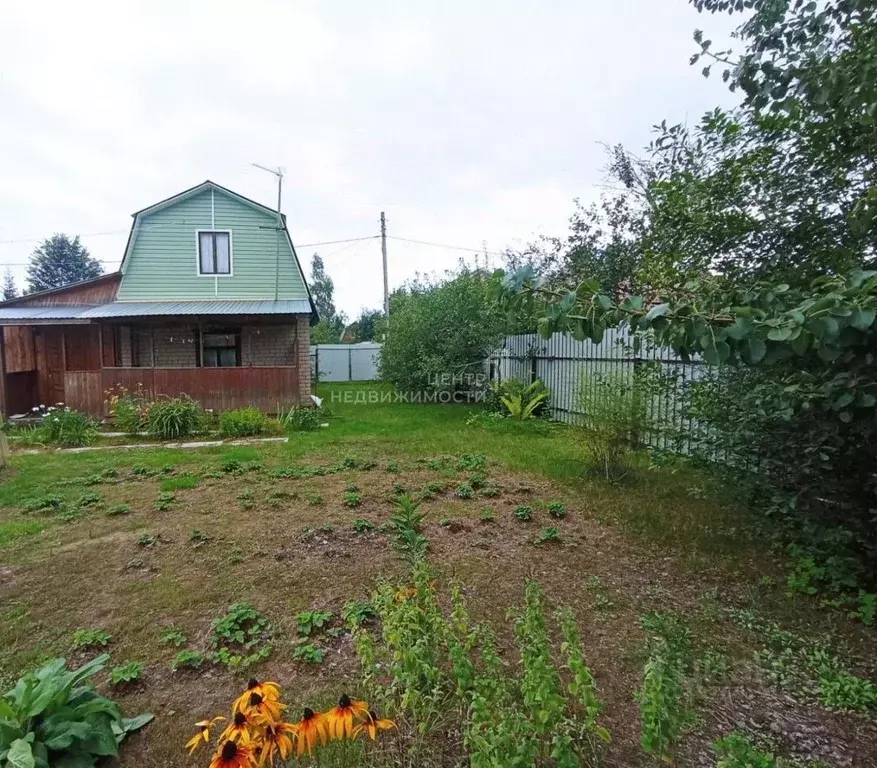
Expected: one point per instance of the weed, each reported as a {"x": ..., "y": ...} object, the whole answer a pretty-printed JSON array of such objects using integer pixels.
[
  {"x": 164, "y": 500},
  {"x": 277, "y": 498},
  {"x": 309, "y": 653},
  {"x": 241, "y": 637},
  {"x": 351, "y": 488},
  {"x": 548, "y": 535},
  {"x": 142, "y": 470},
  {"x": 713, "y": 665},
  {"x": 188, "y": 660},
  {"x": 18, "y": 529},
  {"x": 464, "y": 491},
  {"x": 556, "y": 509},
  {"x": 308, "y": 621},
  {"x": 435, "y": 487},
  {"x": 179, "y": 483},
  {"x": 444, "y": 522},
  {"x": 398, "y": 489},
  {"x": 91, "y": 638},
  {"x": 127, "y": 672},
  {"x": 361, "y": 525},
  {"x": 407, "y": 520},
  {"x": 89, "y": 499},
  {"x": 232, "y": 467},
  {"x": 392, "y": 466},
  {"x": 173, "y": 636},
  {"x": 41, "y": 505},
  {"x": 352, "y": 499},
  {"x": 147, "y": 540},
  {"x": 198, "y": 538},
  {"x": 299, "y": 419},
  {"x": 356, "y": 612},
  {"x": 326, "y": 528},
  {"x": 524, "y": 513},
  {"x": 490, "y": 491},
  {"x": 350, "y": 462},
  {"x": 470, "y": 462},
  {"x": 737, "y": 751},
  {"x": 242, "y": 422},
  {"x": 173, "y": 417},
  {"x": 118, "y": 509},
  {"x": 477, "y": 480},
  {"x": 487, "y": 515},
  {"x": 315, "y": 499}
]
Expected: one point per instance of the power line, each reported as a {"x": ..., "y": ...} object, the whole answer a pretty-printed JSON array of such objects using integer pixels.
[{"x": 444, "y": 245}]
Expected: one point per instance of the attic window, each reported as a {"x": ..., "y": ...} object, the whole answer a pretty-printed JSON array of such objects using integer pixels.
[{"x": 214, "y": 252}]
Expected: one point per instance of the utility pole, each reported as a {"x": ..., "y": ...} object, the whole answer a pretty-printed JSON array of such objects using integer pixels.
[
  {"x": 278, "y": 172},
  {"x": 384, "y": 255}
]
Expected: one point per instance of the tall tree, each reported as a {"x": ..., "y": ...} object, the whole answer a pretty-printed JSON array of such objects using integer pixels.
[
  {"x": 367, "y": 326},
  {"x": 332, "y": 322},
  {"x": 60, "y": 261},
  {"x": 10, "y": 291}
]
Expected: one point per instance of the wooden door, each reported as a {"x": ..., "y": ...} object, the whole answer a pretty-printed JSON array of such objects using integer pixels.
[{"x": 50, "y": 362}]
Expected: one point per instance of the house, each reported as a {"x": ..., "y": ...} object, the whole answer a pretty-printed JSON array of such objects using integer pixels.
[{"x": 210, "y": 300}]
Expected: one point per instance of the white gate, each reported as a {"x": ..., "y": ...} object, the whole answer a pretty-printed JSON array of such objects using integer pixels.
[{"x": 345, "y": 362}]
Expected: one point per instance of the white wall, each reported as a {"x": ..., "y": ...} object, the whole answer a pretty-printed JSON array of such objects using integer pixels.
[{"x": 345, "y": 362}]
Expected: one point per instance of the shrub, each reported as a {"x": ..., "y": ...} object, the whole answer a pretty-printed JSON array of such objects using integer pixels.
[
  {"x": 519, "y": 400},
  {"x": 242, "y": 422},
  {"x": 173, "y": 417},
  {"x": 241, "y": 637},
  {"x": 524, "y": 513},
  {"x": 300, "y": 419},
  {"x": 69, "y": 428},
  {"x": 308, "y": 621},
  {"x": 130, "y": 409},
  {"x": 556, "y": 509},
  {"x": 55, "y": 717}
]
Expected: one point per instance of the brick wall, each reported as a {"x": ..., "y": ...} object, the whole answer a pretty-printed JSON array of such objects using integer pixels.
[
  {"x": 175, "y": 347},
  {"x": 268, "y": 345},
  {"x": 304, "y": 359}
]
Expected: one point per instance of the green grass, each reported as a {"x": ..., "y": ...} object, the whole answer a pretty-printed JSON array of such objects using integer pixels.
[
  {"x": 19, "y": 529},
  {"x": 179, "y": 482}
]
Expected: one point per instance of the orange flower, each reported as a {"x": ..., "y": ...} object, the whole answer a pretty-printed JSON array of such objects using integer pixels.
[
  {"x": 268, "y": 691},
  {"x": 203, "y": 734},
  {"x": 240, "y": 728},
  {"x": 340, "y": 719},
  {"x": 310, "y": 731},
  {"x": 232, "y": 755},
  {"x": 277, "y": 740},
  {"x": 372, "y": 725},
  {"x": 264, "y": 710}
]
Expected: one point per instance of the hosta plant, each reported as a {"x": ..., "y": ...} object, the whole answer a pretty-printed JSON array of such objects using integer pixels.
[{"x": 53, "y": 717}]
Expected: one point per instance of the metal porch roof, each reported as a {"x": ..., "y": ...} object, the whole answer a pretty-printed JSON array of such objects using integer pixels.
[{"x": 228, "y": 307}]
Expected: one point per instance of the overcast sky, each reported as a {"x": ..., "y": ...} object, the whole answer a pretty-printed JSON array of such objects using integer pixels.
[{"x": 469, "y": 123}]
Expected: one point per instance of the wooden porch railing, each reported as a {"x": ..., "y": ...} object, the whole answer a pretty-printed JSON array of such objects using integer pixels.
[{"x": 219, "y": 389}]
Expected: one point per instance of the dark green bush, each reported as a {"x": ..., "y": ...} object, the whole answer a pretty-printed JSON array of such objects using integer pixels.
[
  {"x": 69, "y": 428},
  {"x": 243, "y": 422},
  {"x": 173, "y": 417},
  {"x": 301, "y": 419}
]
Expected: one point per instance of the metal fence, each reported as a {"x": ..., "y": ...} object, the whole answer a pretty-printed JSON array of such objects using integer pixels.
[
  {"x": 345, "y": 362},
  {"x": 573, "y": 369}
]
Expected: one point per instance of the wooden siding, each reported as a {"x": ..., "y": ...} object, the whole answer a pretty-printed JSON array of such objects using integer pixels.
[
  {"x": 84, "y": 391},
  {"x": 101, "y": 291},
  {"x": 18, "y": 348},
  {"x": 219, "y": 389},
  {"x": 82, "y": 348},
  {"x": 163, "y": 263},
  {"x": 21, "y": 392}
]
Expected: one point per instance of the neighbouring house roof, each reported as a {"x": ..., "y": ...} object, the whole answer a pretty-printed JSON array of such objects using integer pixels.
[
  {"x": 84, "y": 313},
  {"x": 82, "y": 293}
]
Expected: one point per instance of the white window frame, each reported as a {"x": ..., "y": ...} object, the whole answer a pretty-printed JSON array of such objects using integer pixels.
[{"x": 198, "y": 272}]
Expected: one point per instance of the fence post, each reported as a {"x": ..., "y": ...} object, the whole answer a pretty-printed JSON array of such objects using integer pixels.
[{"x": 349, "y": 363}]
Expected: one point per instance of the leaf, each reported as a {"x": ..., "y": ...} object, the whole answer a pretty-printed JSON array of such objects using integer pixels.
[
  {"x": 754, "y": 351},
  {"x": 779, "y": 334},
  {"x": 20, "y": 754},
  {"x": 862, "y": 319},
  {"x": 717, "y": 353},
  {"x": 741, "y": 328},
  {"x": 657, "y": 311}
]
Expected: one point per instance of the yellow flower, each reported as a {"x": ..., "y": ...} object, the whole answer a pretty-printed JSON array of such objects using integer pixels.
[
  {"x": 277, "y": 740},
  {"x": 240, "y": 729},
  {"x": 310, "y": 731},
  {"x": 264, "y": 710},
  {"x": 268, "y": 691},
  {"x": 233, "y": 755},
  {"x": 340, "y": 719},
  {"x": 203, "y": 734},
  {"x": 372, "y": 725}
]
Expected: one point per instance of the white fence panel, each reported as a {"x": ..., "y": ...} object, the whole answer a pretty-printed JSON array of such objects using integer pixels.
[{"x": 345, "y": 362}]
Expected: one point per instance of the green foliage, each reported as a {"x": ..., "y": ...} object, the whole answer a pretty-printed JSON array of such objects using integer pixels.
[
  {"x": 198, "y": 538},
  {"x": 69, "y": 428},
  {"x": 127, "y": 672},
  {"x": 164, "y": 500},
  {"x": 180, "y": 482},
  {"x": 464, "y": 491},
  {"x": 315, "y": 499},
  {"x": 129, "y": 409},
  {"x": 147, "y": 540},
  {"x": 442, "y": 333},
  {"x": 241, "y": 637},
  {"x": 300, "y": 419},
  {"x": 47, "y": 504},
  {"x": 361, "y": 525},
  {"x": 91, "y": 638},
  {"x": 309, "y": 653},
  {"x": 737, "y": 751},
  {"x": 352, "y": 499},
  {"x": 490, "y": 491},
  {"x": 173, "y": 417},
  {"x": 242, "y": 422},
  {"x": 173, "y": 636},
  {"x": 332, "y": 322},
  {"x": 471, "y": 462},
  {"x": 356, "y": 613},
  {"x": 392, "y": 466},
  {"x": 556, "y": 509},
  {"x": 118, "y": 509},
  {"x": 548, "y": 536},
  {"x": 188, "y": 660},
  {"x": 406, "y": 522},
  {"x": 522, "y": 401},
  {"x": 54, "y": 717},
  {"x": 308, "y": 621},
  {"x": 523, "y": 513},
  {"x": 60, "y": 260},
  {"x": 487, "y": 515}
]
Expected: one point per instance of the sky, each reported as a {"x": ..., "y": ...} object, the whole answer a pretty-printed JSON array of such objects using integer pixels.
[{"x": 472, "y": 124}]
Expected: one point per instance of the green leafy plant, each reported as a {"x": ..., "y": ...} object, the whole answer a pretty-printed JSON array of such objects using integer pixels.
[
  {"x": 361, "y": 525},
  {"x": 471, "y": 462},
  {"x": 315, "y": 499},
  {"x": 54, "y": 717},
  {"x": 198, "y": 538},
  {"x": 47, "y": 504},
  {"x": 309, "y": 653},
  {"x": 173, "y": 636},
  {"x": 118, "y": 509},
  {"x": 737, "y": 751},
  {"x": 180, "y": 482},
  {"x": 392, "y": 466},
  {"x": 351, "y": 488},
  {"x": 173, "y": 417},
  {"x": 357, "y": 612},
  {"x": 477, "y": 480},
  {"x": 352, "y": 499},
  {"x": 147, "y": 540},
  {"x": 241, "y": 637},
  {"x": 547, "y": 536},
  {"x": 406, "y": 522},
  {"x": 128, "y": 408},
  {"x": 89, "y": 499},
  {"x": 127, "y": 672},
  {"x": 310, "y": 621},
  {"x": 69, "y": 428},
  {"x": 164, "y": 500},
  {"x": 300, "y": 419},
  {"x": 523, "y": 513},
  {"x": 188, "y": 660},
  {"x": 464, "y": 491},
  {"x": 91, "y": 638},
  {"x": 522, "y": 401},
  {"x": 490, "y": 491},
  {"x": 487, "y": 515},
  {"x": 242, "y": 422},
  {"x": 556, "y": 509}
]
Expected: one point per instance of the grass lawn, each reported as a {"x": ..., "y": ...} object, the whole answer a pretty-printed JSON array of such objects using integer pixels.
[{"x": 137, "y": 543}]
